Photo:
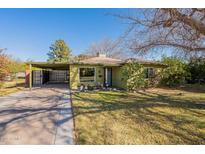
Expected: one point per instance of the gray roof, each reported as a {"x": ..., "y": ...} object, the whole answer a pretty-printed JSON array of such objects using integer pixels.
[
  {"x": 117, "y": 62},
  {"x": 105, "y": 61},
  {"x": 102, "y": 61}
]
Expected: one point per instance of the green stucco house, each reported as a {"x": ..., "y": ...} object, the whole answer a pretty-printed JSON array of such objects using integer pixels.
[{"x": 94, "y": 72}]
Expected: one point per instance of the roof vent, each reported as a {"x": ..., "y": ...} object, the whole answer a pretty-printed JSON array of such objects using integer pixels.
[{"x": 101, "y": 55}]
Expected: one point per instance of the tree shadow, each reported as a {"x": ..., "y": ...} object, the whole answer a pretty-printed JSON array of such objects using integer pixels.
[
  {"x": 140, "y": 108},
  {"x": 194, "y": 88},
  {"x": 46, "y": 113}
]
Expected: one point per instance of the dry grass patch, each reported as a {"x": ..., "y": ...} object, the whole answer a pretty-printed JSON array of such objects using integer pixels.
[
  {"x": 12, "y": 87},
  {"x": 157, "y": 116}
]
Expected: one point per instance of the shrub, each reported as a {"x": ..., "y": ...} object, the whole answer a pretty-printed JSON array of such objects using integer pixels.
[
  {"x": 176, "y": 73},
  {"x": 9, "y": 67},
  {"x": 154, "y": 81},
  {"x": 135, "y": 75},
  {"x": 196, "y": 67},
  {"x": 4, "y": 68}
]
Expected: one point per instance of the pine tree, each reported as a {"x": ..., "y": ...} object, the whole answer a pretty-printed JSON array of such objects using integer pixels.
[{"x": 59, "y": 52}]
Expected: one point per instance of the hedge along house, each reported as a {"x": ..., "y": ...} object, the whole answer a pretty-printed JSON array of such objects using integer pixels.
[{"x": 99, "y": 71}]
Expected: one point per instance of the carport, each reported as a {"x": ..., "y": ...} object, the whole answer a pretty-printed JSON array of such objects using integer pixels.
[{"x": 41, "y": 73}]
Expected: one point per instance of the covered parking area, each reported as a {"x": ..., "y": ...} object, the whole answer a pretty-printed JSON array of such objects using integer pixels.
[{"x": 44, "y": 73}]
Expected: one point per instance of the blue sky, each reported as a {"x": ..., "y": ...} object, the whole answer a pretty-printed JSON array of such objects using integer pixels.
[{"x": 28, "y": 33}]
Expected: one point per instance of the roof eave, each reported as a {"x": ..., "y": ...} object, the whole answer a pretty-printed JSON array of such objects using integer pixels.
[{"x": 100, "y": 64}]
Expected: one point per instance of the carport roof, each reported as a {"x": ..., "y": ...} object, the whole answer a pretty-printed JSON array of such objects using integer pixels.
[{"x": 47, "y": 65}]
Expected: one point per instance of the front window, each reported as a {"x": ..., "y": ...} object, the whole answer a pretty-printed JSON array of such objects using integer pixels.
[
  {"x": 87, "y": 74},
  {"x": 149, "y": 72}
]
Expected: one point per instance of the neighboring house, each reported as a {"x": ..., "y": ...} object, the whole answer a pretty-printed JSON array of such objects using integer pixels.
[
  {"x": 21, "y": 75},
  {"x": 95, "y": 71},
  {"x": 13, "y": 76}
]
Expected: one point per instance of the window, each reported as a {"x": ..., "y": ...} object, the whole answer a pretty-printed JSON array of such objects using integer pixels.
[
  {"x": 146, "y": 73},
  {"x": 87, "y": 74},
  {"x": 149, "y": 72}
]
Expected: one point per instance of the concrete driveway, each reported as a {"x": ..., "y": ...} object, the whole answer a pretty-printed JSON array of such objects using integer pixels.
[{"x": 40, "y": 116}]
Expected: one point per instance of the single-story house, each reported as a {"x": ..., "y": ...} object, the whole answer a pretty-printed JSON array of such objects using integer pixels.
[{"x": 95, "y": 71}]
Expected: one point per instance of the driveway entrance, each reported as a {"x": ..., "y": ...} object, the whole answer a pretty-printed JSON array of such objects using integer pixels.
[{"x": 40, "y": 116}]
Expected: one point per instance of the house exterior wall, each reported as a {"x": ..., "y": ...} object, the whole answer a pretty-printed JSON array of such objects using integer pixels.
[
  {"x": 99, "y": 75},
  {"x": 118, "y": 79},
  {"x": 75, "y": 78}
]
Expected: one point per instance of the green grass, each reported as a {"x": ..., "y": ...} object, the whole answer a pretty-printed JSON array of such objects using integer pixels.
[
  {"x": 157, "y": 116},
  {"x": 12, "y": 87}
]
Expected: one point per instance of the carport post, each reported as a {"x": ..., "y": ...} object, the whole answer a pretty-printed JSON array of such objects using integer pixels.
[{"x": 30, "y": 76}]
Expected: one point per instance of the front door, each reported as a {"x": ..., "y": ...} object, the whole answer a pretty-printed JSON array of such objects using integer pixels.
[{"x": 108, "y": 77}]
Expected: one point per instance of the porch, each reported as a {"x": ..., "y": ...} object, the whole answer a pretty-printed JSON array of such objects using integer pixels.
[{"x": 96, "y": 76}]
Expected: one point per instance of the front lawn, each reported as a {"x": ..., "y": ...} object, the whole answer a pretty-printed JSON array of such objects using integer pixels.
[{"x": 157, "y": 116}]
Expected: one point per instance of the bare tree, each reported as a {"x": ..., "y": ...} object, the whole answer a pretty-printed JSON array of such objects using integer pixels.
[
  {"x": 2, "y": 49},
  {"x": 112, "y": 48},
  {"x": 181, "y": 29},
  {"x": 81, "y": 57}
]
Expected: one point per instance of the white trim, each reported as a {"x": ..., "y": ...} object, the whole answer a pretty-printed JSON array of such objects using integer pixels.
[{"x": 106, "y": 75}]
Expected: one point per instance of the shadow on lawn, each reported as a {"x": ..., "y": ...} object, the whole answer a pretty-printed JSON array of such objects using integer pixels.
[
  {"x": 140, "y": 108},
  {"x": 194, "y": 88}
]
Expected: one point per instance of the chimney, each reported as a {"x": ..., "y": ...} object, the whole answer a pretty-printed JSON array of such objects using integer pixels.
[{"x": 101, "y": 55}]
